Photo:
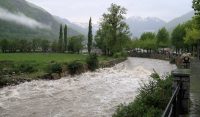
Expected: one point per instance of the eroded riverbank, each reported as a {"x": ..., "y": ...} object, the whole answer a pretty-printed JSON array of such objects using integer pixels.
[{"x": 94, "y": 94}]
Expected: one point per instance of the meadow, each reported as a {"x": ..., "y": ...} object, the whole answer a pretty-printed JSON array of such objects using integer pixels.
[{"x": 46, "y": 57}]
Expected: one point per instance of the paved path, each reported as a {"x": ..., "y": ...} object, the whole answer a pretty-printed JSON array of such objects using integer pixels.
[{"x": 195, "y": 89}]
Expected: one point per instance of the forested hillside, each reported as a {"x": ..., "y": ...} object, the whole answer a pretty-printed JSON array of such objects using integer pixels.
[{"x": 20, "y": 19}]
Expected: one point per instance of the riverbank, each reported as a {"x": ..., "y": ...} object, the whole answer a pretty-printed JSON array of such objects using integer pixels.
[
  {"x": 92, "y": 93},
  {"x": 17, "y": 68}
]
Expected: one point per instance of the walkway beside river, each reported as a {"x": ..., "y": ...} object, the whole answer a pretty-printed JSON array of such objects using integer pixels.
[{"x": 195, "y": 89}]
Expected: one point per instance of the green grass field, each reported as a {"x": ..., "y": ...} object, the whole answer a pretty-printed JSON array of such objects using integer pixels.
[
  {"x": 41, "y": 61},
  {"x": 46, "y": 57},
  {"x": 41, "y": 57}
]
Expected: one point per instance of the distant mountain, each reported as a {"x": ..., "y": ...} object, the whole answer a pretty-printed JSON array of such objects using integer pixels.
[
  {"x": 138, "y": 25},
  {"x": 74, "y": 26},
  {"x": 95, "y": 27},
  {"x": 21, "y": 19},
  {"x": 179, "y": 20}
]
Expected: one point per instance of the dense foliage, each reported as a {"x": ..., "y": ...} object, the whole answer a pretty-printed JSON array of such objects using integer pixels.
[
  {"x": 92, "y": 62},
  {"x": 54, "y": 68},
  {"x": 23, "y": 45},
  {"x": 75, "y": 44},
  {"x": 162, "y": 38},
  {"x": 90, "y": 36},
  {"x": 177, "y": 37},
  {"x": 40, "y": 45},
  {"x": 65, "y": 38},
  {"x": 75, "y": 67},
  {"x": 113, "y": 33},
  {"x": 151, "y": 101},
  {"x": 60, "y": 41}
]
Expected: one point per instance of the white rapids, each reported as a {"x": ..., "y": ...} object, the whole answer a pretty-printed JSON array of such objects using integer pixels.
[{"x": 91, "y": 94}]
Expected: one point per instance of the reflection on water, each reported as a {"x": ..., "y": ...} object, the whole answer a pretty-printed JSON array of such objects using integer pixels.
[{"x": 93, "y": 94}]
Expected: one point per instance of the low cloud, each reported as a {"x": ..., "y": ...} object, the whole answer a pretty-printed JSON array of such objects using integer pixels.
[{"x": 22, "y": 19}]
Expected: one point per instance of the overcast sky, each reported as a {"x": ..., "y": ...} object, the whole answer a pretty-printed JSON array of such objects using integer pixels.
[{"x": 81, "y": 10}]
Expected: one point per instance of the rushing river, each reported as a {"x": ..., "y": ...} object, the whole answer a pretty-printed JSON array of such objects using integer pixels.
[{"x": 92, "y": 94}]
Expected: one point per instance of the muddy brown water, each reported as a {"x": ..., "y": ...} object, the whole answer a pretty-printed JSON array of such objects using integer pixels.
[{"x": 91, "y": 94}]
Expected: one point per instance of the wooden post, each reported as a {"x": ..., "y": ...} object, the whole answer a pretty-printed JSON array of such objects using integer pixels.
[{"x": 182, "y": 77}]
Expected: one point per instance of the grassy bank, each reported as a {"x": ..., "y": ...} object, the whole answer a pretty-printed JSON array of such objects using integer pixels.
[
  {"x": 151, "y": 101},
  {"x": 20, "y": 67}
]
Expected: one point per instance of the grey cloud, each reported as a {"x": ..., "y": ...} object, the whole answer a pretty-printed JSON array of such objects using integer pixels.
[{"x": 22, "y": 19}]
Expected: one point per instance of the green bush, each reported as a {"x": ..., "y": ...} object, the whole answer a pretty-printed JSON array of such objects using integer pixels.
[
  {"x": 151, "y": 101},
  {"x": 26, "y": 68},
  {"x": 92, "y": 62},
  {"x": 120, "y": 54},
  {"x": 75, "y": 67},
  {"x": 54, "y": 68}
]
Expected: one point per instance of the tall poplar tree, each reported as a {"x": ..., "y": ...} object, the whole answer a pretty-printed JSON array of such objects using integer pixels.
[
  {"x": 60, "y": 41},
  {"x": 90, "y": 36},
  {"x": 65, "y": 38}
]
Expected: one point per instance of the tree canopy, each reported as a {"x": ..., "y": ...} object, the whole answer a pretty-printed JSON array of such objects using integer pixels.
[
  {"x": 113, "y": 32},
  {"x": 162, "y": 38},
  {"x": 177, "y": 37},
  {"x": 148, "y": 35}
]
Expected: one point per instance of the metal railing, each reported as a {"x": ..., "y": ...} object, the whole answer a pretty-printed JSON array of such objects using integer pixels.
[{"x": 174, "y": 105}]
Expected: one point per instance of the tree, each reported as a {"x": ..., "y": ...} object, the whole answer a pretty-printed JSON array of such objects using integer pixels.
[
  {"x": 13, "y": 45},
  {"x": 36, "y": 44},
  {"x": 113, "y": 32},
  {"x": 162, "y": 38},
  {"x": 60, "y": 41},
  {"x": 54, "y": 46},
  {"x": 177, "y": 37},
  {"x": 45, "y": 45},
  {"x": 148, "y": 35},
  {"x": 4, "y": 45},
  {"x": 192, "y": 36},
  {"x": 75, "y": 44},
  {"x": 90, "y": 36},
  {"x": 23, "y": 45},
  {"x": 196, "y": 7},
  {"x": 65, "y": 38}
]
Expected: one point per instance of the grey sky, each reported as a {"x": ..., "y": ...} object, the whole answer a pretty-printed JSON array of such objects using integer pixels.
[{"x": 81, "y": 10}]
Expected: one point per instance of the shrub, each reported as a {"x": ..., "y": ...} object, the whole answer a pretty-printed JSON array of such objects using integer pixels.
[
  {"x": 117, "y": 55},
  {"x": 26, "y": 67},
  {"x": 92, "y": 62},
  {"x": 151, "y": 101},
  {"x": 54, "y": 68},
  {"x": 75, "y": 67},
  {"x": 120, "y": 54}
]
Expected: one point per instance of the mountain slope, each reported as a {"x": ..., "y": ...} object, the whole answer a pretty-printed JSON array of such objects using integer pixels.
[
  {"x": 179, "y": 20},
  {"x": 20, "y": 19},
  {"x": 82, "y": 30},
  {"x": 139, "y": 25}
]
